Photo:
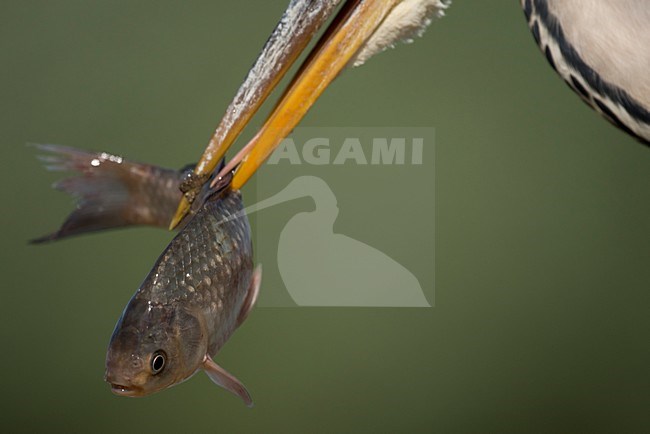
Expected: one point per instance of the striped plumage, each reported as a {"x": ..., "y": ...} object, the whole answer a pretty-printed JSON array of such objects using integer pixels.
[{"x": 602, "y": 51}]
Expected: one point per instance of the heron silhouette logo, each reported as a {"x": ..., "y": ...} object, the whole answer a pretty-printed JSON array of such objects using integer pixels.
[
  {"x": 322, "y": 268},
  {"x": 321, "y": 259}
]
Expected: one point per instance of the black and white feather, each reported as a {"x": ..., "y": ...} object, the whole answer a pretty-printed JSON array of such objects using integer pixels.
[{"x": 602, "y": 50}]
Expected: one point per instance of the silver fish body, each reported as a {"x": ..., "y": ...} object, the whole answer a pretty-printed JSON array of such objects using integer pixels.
[
  {"x": 200, "y": 289},
  {"x": 198, "y": 292}
]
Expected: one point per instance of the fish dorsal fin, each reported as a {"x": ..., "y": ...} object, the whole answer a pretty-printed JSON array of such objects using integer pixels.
[
  {"x": 251, "y": 295},
  {"x": 224, "y": 379},
  {"x": 210, "y": 190}
]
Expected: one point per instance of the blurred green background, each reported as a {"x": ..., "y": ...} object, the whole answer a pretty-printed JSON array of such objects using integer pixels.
[{"x": 542, "y": 233}]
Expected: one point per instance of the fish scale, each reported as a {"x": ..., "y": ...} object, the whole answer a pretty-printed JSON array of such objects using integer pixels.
[
  {"x": 196, "y": 295},
  {"x": 208, "y": 239}
]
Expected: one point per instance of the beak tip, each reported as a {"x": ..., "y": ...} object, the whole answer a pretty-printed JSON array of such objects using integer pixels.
[{"x": 181, "y": 212}]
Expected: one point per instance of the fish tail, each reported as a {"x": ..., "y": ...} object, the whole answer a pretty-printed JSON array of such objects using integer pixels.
[{"x": 110, "y": 192}]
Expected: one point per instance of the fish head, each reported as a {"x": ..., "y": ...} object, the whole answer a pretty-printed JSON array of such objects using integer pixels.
[{"x": 153, "y": 347}]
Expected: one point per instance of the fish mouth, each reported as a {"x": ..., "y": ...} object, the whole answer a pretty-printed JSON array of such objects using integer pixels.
[{"x": 122, "y": 390}]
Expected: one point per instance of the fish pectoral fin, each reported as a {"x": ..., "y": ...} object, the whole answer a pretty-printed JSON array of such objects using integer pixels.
[
  {"x": 251, "y": 295},
  {"x": 224, "y": 379}
]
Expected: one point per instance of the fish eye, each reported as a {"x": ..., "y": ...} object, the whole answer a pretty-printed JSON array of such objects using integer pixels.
[{"x": 157, "y": 362}]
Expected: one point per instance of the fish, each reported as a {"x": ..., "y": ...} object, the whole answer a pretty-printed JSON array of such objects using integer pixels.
[{"x": 199, "y": 291}]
